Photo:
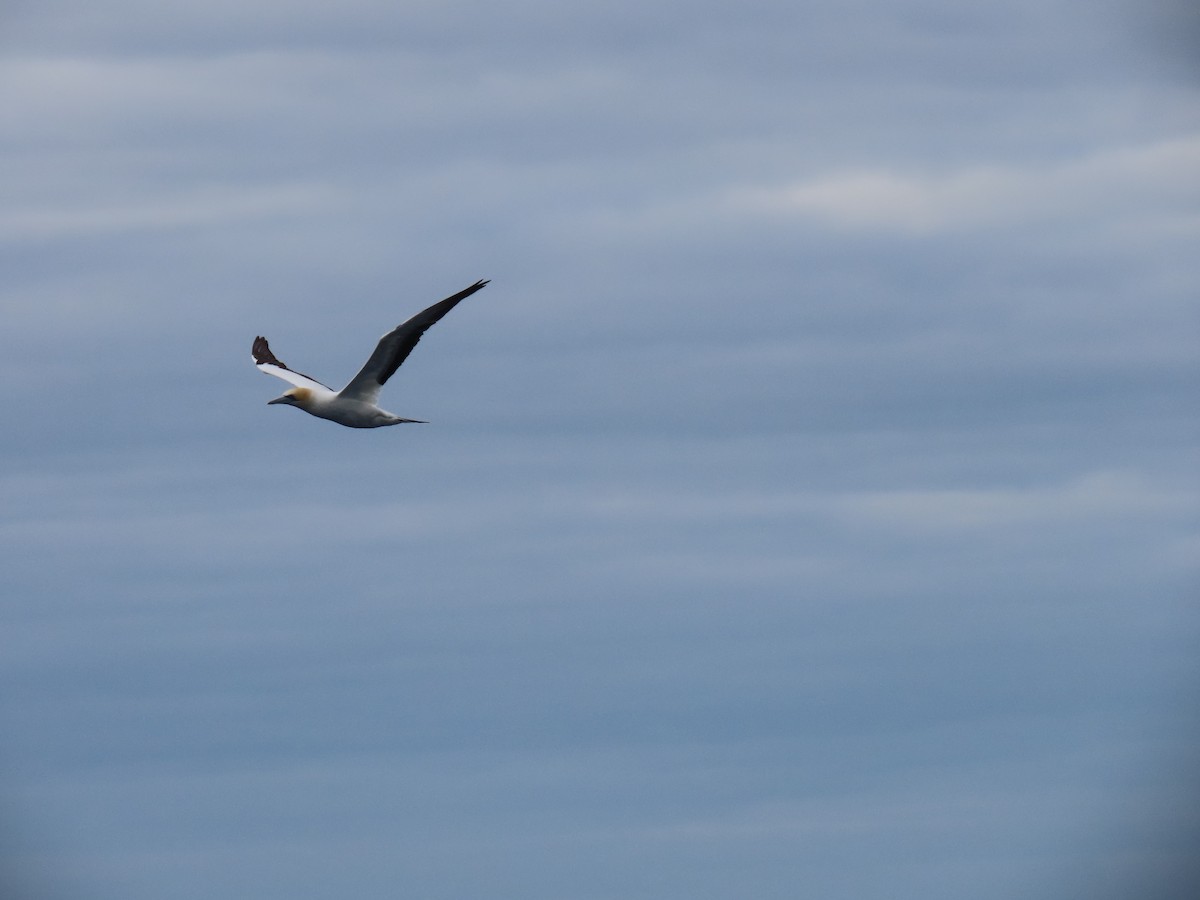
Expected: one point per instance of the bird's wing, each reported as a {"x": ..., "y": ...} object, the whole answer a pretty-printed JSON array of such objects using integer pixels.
[
  {"x": 393, "y": 348},
  {"x": 267, "y": 362}
]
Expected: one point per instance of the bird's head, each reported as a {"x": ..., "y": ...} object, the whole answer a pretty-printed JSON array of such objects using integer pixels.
[{"x": 296, "y": 396}]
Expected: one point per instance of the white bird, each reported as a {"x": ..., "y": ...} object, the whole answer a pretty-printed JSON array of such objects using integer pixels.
[{"x": 354, "y": 405}]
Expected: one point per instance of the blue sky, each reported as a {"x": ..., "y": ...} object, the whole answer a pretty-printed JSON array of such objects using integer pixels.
[{"x": 808, "y": 506}]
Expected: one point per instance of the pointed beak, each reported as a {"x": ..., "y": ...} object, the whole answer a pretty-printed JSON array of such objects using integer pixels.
[{"x": 277, "y": 400}]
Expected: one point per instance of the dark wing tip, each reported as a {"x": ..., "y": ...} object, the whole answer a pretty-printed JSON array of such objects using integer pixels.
[
  {"x": 263, "y": 356},
  {"x": 467, "y": 292},
  {"x": 413, "y": 329},
  {"x": 262, "y": 353}
]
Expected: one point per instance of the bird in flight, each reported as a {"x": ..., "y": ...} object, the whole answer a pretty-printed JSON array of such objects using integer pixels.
[{"x": 354, "y": 405}]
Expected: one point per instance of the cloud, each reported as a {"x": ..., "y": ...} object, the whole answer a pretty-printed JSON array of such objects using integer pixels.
[
  {"x": 205, "y": 207},
  {"x": 826, "y": 430},
  {"x": 1094, "y": 497},
  {"x": 1156, "y": 180}
]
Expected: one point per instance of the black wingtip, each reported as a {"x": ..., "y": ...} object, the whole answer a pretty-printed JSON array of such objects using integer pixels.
[{"x": 261, "y": 351}]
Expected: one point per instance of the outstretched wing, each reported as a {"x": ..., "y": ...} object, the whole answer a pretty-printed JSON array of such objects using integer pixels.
[
  {"x": 393, "y": 348},
  {"x": 267, "y": 362}
]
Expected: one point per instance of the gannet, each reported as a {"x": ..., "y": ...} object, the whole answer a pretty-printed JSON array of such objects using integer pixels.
[{"x": 354, "y": 405}]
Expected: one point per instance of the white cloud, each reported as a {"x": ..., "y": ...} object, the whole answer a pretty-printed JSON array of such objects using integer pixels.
[
  {"x": 710, "y": 480},
  {"x": 1094, "y": 494},
  {"x": 195, "y": 208},
  {"x": 1115, "y": 495},
  {"x": 1160, "y": 174}
]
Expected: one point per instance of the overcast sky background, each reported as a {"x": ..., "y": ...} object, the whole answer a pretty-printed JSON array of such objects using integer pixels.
[{"x": 808, "y": 506}]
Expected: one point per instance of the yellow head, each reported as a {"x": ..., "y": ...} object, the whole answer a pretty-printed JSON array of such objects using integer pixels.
[{"x": 297, "y": 396}]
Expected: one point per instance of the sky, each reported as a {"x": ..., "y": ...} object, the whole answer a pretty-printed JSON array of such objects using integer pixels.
[{"x": 808, "y": 506}]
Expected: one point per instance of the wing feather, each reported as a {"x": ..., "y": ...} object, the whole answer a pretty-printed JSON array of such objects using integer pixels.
[
  {"x": 268, "y": 362},
  {"x": 393, "y": 348}
]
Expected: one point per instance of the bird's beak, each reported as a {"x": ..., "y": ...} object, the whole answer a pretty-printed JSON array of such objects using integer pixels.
[{"x": 277, "y": 400}]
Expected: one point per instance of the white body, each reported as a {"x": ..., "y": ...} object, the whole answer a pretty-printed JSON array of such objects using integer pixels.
[{"x": 326, "y": 404}]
